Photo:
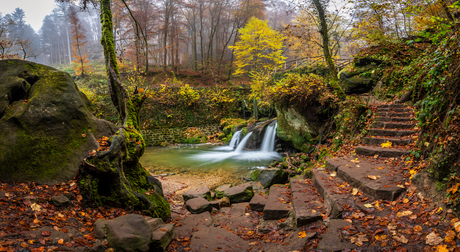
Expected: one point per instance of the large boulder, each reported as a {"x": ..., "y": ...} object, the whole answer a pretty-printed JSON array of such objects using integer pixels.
[
  {"x": 359, "y": 79},
  {"x": 46, "y": 128},
  {"x": 295, "y": 128},
  {"x": 270, "y": 176}
]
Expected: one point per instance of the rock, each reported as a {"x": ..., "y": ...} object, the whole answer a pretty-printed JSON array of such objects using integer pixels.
[
  {"x": 258, "y": 202},
  {"x": 277, "y": 206},
  {"x": 224, "y": 202},
  {"x": 198, "y": 205},
  {"x": 215, "y": 204},
  {"x": 46, "y": 128},
  {"x": 405, "y": 97},
  {"x": 258, "y": 134},
  {"x": 200, "y": 192},
  {"x": 239, "y": 193},
  {"x": 353, "y": 82},
  {"x": 213, "y": 238},
  {"x": 270, "y": 176},
  {"x": 220, "y": 190},
  {"x": 98, "y": 246},
  {"x": 127, "y": 233},
  {"x": 331, "y": 240},
  {"x": 60, "y": 200},
  {"x": 291, "y": 243},
  {"x": 195, "y": 221},
  {"x": 296, "y": 129},
  {"x": 161, "y": 237},
  {"x": 235, "y": 218}
]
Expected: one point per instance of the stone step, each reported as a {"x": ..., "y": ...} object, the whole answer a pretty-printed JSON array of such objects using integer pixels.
[
  {"x": 391, "y": 133},
  {"x": 198, "y": 205},
  {"x": 393, "y": 125},
  {"x": 375, "y": 179},
  {"x": 394, "y": 114},
  {"x": 332, "y": 240},
  {"x": 307, "y": 204},
  {"x": 335, "y": 192},
  {"x": 258, "y": 202},
  {"x": 240, "y": 193},
  {"x": 391, "y": 106},
  {"x": 161, "y": 237},
  {"x": 393, "y": 119},
  {"x": 394, "y": 109},
  {"x": 382, "y": 152},
  {"x": 379, "y": 141},
  {"x": 277, "y": 206}
]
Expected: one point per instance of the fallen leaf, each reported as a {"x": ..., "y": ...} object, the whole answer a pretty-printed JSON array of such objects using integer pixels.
[
  {"x": 36, "y": 207},
  {"x": 358, "y": 239},
  {"x": 302, "y": 234},
  {"x": 61, "y": 241},
  {"x": 24, "y": 245},
  {"x": 355, "y": 191},
  {"x": 401, "y": 238},
  {"x": 46, "y": 233},
  {"x": 387, "y": 144},
  {"x": 333, "y": 174},
  {"x": 433, "y": 239},
  {"x": 372, "y": 177},
  {"x": 405, "y": 200},
  {"x": 368, "y": 205},
  {"x": 404, "y": 213},
  {"x": 442, "y": 248},
  {"x": 418, "y": 228}
]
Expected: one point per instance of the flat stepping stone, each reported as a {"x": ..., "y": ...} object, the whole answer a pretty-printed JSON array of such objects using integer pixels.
[
  {"x": 199, "y": 192},
  {"x": 375, "y": 179},
  {"x": 215, "y": 204},
  {"x": 270, "y": 176},
  {"x": 239, "y": 193},
  {"x": 161, "y": 237},
  {"x": 277, "y": 206},
  {"x": 393, "y": 125},
  {"x": 393, "y": 119},
  {"x": 198, "y": 205},
  {"x": 394, "y": 109},
  {"x": 290, "y": 243},
  {"x": 258, "y": 202},
  {"x": 235, "y": 218},
  {"x": 221, "y": 189},
  {"x": 382, "y": 152},
  {"x": 331, "y": 239},
  {"x": 306, "y": 202},
  {"x": 394, "y": 114},
  {"x": 379, "y": 141},
  {"x": 184, "y": 227},
  {"x": 382, "y": 106},
  {"x": 217, "y": 239},
  {"x": 334, "y": 195},
  {"x": 391, "y": 133}
]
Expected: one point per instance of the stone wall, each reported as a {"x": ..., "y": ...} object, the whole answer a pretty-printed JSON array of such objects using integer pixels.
[{"x": 157, "y": 136}]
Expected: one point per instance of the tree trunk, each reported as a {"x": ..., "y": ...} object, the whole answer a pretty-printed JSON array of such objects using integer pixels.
[{"x": 115, "y": 176}]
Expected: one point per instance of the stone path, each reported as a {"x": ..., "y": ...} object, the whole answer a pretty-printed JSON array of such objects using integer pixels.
[{"x": 299, "y": 210}]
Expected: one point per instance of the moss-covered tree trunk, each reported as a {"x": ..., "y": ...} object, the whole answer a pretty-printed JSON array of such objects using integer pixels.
[{"x": 115, "y": 176}]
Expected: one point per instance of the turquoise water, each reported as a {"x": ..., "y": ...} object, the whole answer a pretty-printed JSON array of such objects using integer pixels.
[{"x": 204, "y": 158}]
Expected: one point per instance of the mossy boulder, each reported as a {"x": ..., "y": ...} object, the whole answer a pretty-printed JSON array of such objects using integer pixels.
[
  {"x": 270, "y": 176},
  {"x": 359, "y": 79},
  {"x": 239, "y": 193},
  {"x": 46, "y": 129},
  {"x": 295, "y": 128},
  {"x": 221, "y": 189}
]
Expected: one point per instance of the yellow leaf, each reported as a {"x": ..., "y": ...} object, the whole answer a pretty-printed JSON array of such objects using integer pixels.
[
  {"x": 387, "y": 144},
  {"x": 404, "y": 213},
  {"x": 302, "y": 234},
  {"x": 355, "y": 191},
  {"x": 368, "y": 205},
  {"x": 442, "y": 248},
  {"x": 372, "y": 177}
]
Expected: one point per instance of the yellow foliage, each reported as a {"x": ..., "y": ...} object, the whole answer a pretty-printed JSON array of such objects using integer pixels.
[{"x": 387, "y": 144}]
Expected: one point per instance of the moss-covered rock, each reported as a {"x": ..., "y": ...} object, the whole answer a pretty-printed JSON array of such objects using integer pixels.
[
  {"x": 295, "y": 128},
  {"x": 45, "y": 127},
  {"x": 359, "y": 79},
  {"x": 269, "y": 177}
]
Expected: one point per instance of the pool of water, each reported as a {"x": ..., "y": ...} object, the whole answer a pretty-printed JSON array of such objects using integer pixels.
[{"x": 206, "y": 159}]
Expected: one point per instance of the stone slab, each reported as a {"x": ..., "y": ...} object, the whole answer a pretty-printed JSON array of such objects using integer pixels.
[
  {"x": 237, "y": 217},
  {"x": 240, "y": 193},
  {"x": 277, "y": 206},
  {"x": 161, "y": 237},
  {"x": 258, "y": 202},
  {"x": 221, "y": 189},
  {"x": 217, "y": 239},
  {"x": 331, "y": 239},
  {"x": 381, "y": 140},
  {"x": 185, "y": 226},
  {"x": 198, "y": 205},
  {"x": 306, "y": 202},
  {"x": 382, "y": 152},
  {"x": 393, "y": 119},
  {"x": 391, "y": 133},
  {"x": 393, "y": 125},
  {"x": 198, "y": 192}
]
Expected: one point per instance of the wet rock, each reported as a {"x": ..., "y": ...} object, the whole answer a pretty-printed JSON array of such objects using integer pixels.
[
  {"x": 220, "y": 190},
  {"x": 239, "y": 193},
  {"x": 270, "y": 176},
  {"x": 60, "y": 200},
  {"x": 198, "y": 205},
  {"x": 199, "y": 192},
  {"x": 128, "y": 233}
]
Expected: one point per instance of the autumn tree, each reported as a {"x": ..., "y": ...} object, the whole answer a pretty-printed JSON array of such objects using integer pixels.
[
  {"x": 78, "y": 45},
  {"x": 259, "y": 48}
]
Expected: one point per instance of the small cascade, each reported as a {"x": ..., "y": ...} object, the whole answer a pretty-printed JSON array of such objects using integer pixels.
[
  {"x": 268, "y": 143},
  {"x": 235, "y": 140},
  {"x": 240, "y": 147}
]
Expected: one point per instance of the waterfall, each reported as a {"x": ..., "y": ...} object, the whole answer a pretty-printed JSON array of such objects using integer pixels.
[
  {"x": 235, "y": 140},
  {"x": 268, "y": 143},
  {"x": 240, "y": 147}
]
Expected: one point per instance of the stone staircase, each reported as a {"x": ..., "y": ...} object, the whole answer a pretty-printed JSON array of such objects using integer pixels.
[{"x": 370, "y": 173}]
